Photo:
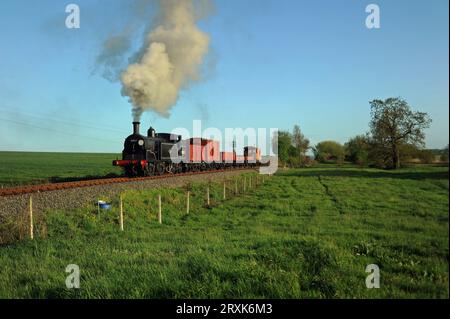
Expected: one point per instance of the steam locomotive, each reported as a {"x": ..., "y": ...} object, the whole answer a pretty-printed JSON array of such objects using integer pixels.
[{"x": 165, "y": 153}]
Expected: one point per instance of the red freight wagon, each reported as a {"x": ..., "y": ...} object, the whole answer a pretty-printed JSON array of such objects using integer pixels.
[
  {"x": 203, "y": 150},
  {"x": 240, "y": 159},
  {"x": 252, "y": 154},
  {"x": 227, "y": 157}
]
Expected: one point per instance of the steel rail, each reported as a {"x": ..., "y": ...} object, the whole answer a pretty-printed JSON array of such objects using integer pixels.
[{"x": 29, "y": 189}]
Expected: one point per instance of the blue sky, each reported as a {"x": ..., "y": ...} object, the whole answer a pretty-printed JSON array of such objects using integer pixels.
[{"x": 276, "y": 63}]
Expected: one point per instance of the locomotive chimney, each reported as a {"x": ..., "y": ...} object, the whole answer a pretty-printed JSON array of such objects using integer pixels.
[{"x": 136, "y": 127}]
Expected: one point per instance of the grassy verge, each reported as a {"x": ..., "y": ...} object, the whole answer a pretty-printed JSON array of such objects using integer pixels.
[
  {"x": 303, "y": 233},
  {"x": 18, "y": 168}
]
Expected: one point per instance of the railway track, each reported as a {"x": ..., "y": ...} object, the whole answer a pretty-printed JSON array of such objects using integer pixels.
[{"x": 29, "y": 189}]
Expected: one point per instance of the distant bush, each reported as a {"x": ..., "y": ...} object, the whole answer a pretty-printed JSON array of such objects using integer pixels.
[
  {"x": 409, "y": 153},
  {"x": 444, "y": 155},
  {"x": 294, "y": 161},
  {"x": 426, "y": 156},
  {"x": 329, "y": 152},
  {"x": 357, "y": 150}
]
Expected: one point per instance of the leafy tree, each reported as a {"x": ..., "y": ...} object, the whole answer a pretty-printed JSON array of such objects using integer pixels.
[
  {"x": 292, "y": 151},
  {"x": 329, "y": 151},
  {"x": 357, "y": 150},
  {"x": 379, "y": 154},
  {"x": 284, "y": 145},
  {"x": 300, "y": 142},
  {"x": 292, "y": 147},
  {"x": 394, "y": 124}
]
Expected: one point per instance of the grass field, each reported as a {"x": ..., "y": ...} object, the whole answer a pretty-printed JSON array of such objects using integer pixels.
[
  {"x": 17, "y": 168},
  {"x": 306, "y": 233}
]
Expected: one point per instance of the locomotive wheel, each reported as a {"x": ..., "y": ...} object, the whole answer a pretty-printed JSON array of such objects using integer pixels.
[
  {"x": 152, "y": 168},
  {"x": 149, "y": 169},
  {"x": 159, "y": 169},
  {"x": 172, "y": 169}
]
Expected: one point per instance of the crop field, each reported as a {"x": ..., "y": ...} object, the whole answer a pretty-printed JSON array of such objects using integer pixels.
[
  {"x": 303, "y": 233},
  {"x": 18, "y": 168}
]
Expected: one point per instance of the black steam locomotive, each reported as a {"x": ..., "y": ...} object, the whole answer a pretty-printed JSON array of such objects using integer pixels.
[{"x": 165, "y": 153}]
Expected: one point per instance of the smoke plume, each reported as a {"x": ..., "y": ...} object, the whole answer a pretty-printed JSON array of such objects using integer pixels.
[
  {"x": 110, "y": 61},
  {"x": 170, "y": 59}
]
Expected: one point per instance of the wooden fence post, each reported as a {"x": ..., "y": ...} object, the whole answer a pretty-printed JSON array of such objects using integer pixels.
[
  {"x": 159, "y": 209},
  {"x": 121, "y": 213},
  {"x": 187, "y": 202},
  {"x": 31, "y": 218},
  {"x": 207, "y": 196},
  {"x": 224, "y": 190}
]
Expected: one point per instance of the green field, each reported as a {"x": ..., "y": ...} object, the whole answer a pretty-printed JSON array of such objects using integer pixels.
[
  {"x": 306, "y": 233},
  {"x": 17, "y": 168}
]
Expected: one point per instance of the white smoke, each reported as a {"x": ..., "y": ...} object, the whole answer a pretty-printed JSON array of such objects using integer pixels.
[{"x": 171, "y": 58}]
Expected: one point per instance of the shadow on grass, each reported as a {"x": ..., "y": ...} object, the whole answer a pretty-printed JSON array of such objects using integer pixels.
[{"x": 366, "y": 173}]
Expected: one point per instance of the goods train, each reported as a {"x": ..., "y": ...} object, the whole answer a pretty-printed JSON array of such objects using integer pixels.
[{"x": 165, "y": 153}]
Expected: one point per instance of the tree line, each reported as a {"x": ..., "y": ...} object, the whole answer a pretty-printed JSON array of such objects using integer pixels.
[{"x": 396, "y": 134}]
